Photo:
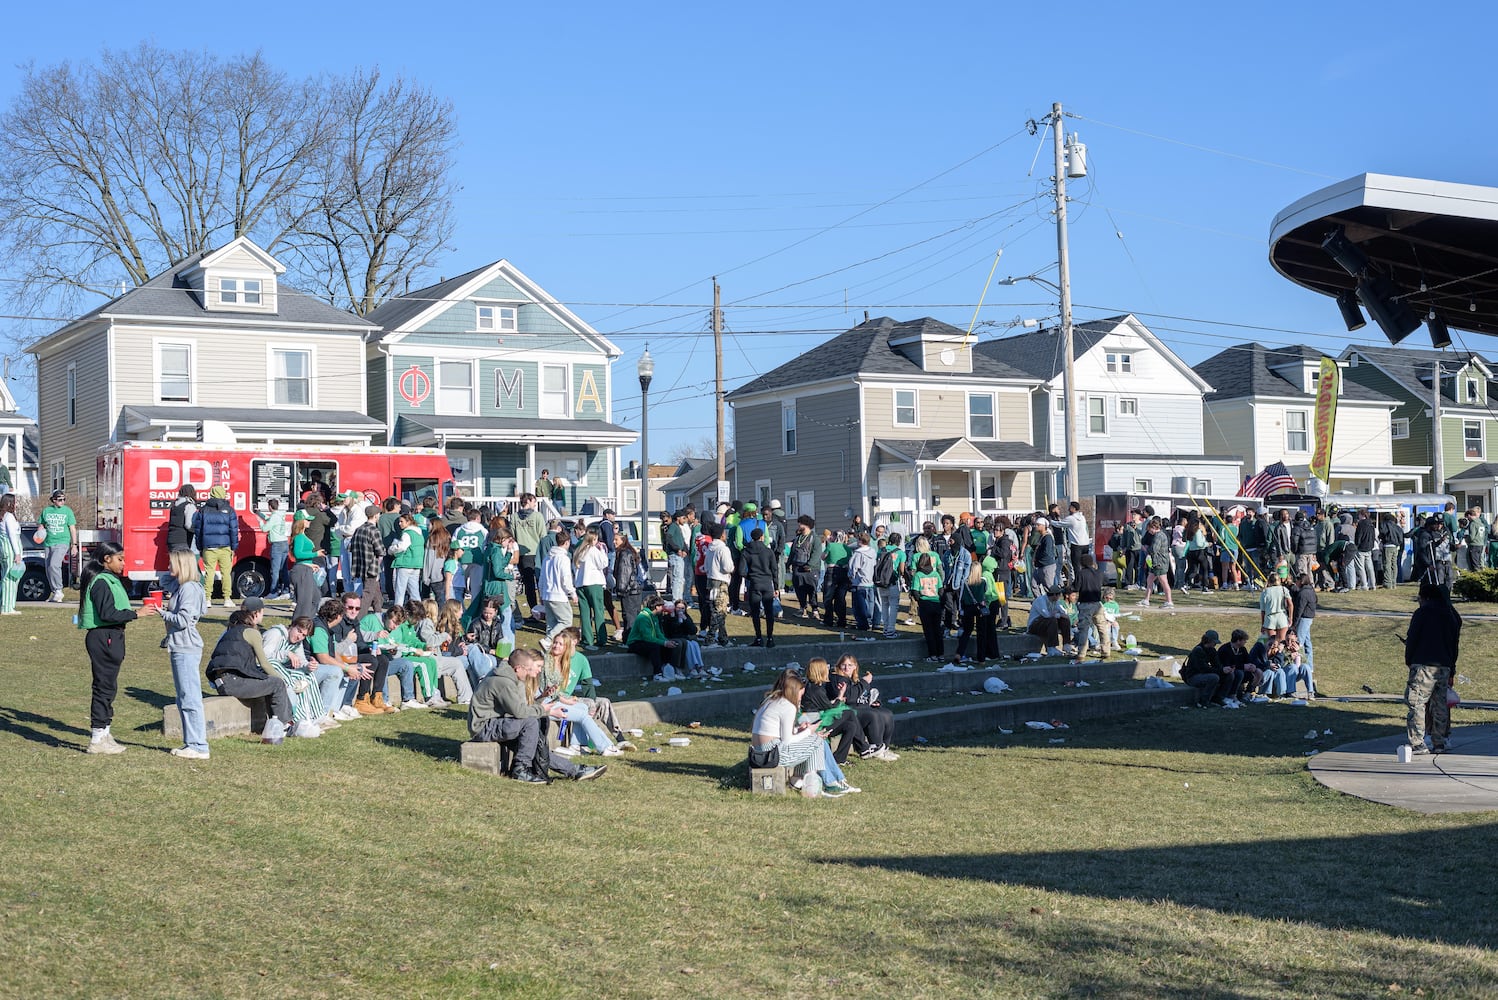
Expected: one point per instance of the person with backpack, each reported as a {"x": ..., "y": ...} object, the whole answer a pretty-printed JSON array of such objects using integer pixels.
[
  {"x": 1391, "y": 541},
  {"x": 861, "y": 561},
  {"x": 216, "y": 528},
  {"x": 806, "y": 564},
  {"x": 179, "y": 519},
  {"x": 889, "y": 570}
]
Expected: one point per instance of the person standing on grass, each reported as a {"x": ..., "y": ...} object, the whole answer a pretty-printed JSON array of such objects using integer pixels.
[
  {"x": 1157, "y": 560},
  {"x": 758, "y": 564},
  {"x": 103, "y": 612},
  {"x": 1430, "y": 653},
  {"x": 1303, "y": 609},
  {"x": 61, "y": 528},
  {"x": 276, "y": 524},
  {"x": 216, "y": 528},
  {"x": 925, "y": 589},
  {"x": 10, "y": 555},
  {"x": 184, "y": 648},
  {"x": 718, "y": 568},
  {"x": 590, "y": 563},
  {"x": 1275, "y": 608},
  {"x": 806, "y": 564}
]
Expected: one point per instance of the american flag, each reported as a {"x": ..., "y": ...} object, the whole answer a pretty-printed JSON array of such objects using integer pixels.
[{"x": 1274, "y": 477}]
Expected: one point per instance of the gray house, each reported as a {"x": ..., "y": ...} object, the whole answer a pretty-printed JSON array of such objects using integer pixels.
[
  {"x": 1139, "y": 410},
  {"x": 215, "y": 348},
  {"x": 897, "y": 421}
]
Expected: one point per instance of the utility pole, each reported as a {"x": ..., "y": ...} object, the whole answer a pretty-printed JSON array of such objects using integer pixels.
[
  {"x": 1063, "y": 260},
  {"x": 718, "y": 360},
  {"x": 1437, "y": 456}
]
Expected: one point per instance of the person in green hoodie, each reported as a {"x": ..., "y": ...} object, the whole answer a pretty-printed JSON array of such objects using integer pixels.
[
  {"x": 103, "y": 612},
  {"x": 647, "y": 639}
]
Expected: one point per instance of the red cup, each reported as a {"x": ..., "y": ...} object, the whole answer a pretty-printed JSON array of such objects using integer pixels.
[{"x": 152, "y": 599}]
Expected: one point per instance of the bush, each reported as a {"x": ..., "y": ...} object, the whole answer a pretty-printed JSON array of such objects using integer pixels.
[{"x": 1481, "y": 585}]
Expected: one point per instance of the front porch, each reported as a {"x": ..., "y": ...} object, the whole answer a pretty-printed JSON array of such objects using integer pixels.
[{"x": 920, "y": 481}]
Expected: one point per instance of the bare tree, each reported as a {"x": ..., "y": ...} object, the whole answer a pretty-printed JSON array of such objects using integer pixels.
[
  {"x": 114, "y": 171},
  {"x": 384, "y": 208},
  {"x": 111, "y": 172},
  {"x": 704, "y": 447}
]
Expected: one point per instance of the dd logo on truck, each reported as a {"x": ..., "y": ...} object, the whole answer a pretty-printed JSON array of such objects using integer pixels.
[{"x": 166, "y": 476}]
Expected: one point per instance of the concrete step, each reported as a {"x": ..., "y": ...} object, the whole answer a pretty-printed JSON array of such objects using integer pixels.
[
  {"x": 739, "y": 703},
  {"x": 625, "y": 666}
]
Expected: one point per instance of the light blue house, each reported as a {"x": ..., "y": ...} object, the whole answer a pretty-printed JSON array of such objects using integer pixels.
[{"x": 492, "y": 369}]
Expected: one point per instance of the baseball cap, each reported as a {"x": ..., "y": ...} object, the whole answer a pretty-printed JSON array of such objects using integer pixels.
[
  {"x": 723, "y": 508},
  {"x": 252, "y": 604},
  {"x": 774, "y": 504},
  {"x": 1210, "y": 636},
  {"x": 59, "y": 495},
  {"x": 751, "y": 506}
]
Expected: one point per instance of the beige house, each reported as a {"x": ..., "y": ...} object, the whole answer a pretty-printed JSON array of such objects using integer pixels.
[
  {"x": 214, "y": 349},
  {"x": 898, "y": 422}
]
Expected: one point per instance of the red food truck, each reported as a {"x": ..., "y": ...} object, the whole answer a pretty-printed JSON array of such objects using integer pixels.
[{"x": 138, "y": 480}]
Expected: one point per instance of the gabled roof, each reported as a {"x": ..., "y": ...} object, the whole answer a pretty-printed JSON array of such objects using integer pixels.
[
  {"x": 961, "y": 449},
  {"x": 409, "y": 312},
  {"x": 699, "y": 476},
  {"x": 1486, "y": 470},
  {"x": 1040, "y": 353},
  {"x": 1412, "y": 367},
  {"x": 169, "y": 296},
  {"x": 865, "y": 350},
  {"x": 146, "y": 415},
  {"x": 1249, "y": 370}
]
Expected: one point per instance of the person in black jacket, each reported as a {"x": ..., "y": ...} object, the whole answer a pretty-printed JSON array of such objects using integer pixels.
[
  {"x": 847, "y": 687},
  {"x": 1201, "y": 670},
  {"x": 238, "y": 668},
  {"x": 1430, "y": 653},
  {"x": 758, "y": 567},
  {"x": 103, "y": 612},
  {"x": 179, "y": 520},
  {"x": 844, "y": 724},
  {"x": 1391, "y": 541}
]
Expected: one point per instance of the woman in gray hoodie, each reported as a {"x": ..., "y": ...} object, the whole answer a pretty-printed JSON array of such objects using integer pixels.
[{"x": 184, "y": 646}]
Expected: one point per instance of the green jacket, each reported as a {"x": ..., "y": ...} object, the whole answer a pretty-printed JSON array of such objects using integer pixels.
[
  {"x": 414, "y": 554},
  {"x": 646, "y": 628}
]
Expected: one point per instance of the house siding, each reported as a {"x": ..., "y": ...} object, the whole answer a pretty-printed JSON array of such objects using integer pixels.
[
  {"x": 828, "y": 460},
  {"x": 1164, "y": 425},
  {"x": 77, "y": 445},
  {"x": 1415, "y": 449},
  {"x": 1453, "y": 445},
  {"x": 376, "y": 372},
  {"x": 1229, "y": 430},
  {"x": 942, "y": 412}
]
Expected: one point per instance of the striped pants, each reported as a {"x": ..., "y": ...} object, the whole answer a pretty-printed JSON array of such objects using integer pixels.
[{"x": 306, "y": 704}]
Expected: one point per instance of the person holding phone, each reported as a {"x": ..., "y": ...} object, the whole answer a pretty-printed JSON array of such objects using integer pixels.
[{"x": 801, "y": 741}]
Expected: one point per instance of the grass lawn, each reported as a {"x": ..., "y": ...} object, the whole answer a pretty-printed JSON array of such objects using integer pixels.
[{"x": 1182, "y": 853}]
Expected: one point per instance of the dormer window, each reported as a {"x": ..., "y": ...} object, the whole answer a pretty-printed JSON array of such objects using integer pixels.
[
  {"x": 1313, "y": 380},
  {"x": 1474, "y": 391},
  {"x": 1119, "y": 363},
  {"x": 239, "y": 291},
  {"x": 497, "y": 319}
]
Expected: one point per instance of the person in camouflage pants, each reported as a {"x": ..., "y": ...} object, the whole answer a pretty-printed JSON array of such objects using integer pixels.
[{"x": 1430, "y": 652}]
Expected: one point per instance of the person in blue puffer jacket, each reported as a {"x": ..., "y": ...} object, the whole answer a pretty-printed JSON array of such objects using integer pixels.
[{"x": 216, "y": 529}]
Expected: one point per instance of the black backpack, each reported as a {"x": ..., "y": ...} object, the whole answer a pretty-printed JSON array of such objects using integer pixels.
[{"x": 884, "y": 569}]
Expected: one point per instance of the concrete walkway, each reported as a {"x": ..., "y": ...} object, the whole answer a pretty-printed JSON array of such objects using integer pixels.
[{"x": 1465, "y": 779}]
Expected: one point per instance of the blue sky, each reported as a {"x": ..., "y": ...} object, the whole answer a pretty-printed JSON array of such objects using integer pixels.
[{"x": 623, "y": 156}]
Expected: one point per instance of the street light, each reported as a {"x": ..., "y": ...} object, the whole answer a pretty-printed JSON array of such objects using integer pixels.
[
  {"x": 1068, "y": 372},
  {"x": 646, "y": 370}
]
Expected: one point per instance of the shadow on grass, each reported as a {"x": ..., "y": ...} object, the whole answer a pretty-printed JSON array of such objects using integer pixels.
[
  {"x": 1415, "y": 884},
  {"x": 436, "y": 747},
  {"x": 33, "y": 727},
  {"x": 155, "y": 699},
  {"x": 731, "y": 776}
]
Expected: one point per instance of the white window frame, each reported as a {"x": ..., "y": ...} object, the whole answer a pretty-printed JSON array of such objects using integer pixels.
[
  {"x": 1119, "y": 362},
  {"x": 271, "y": 350},
  {"x": 1144, "y": 486},
  {"x": 915, "y": 409},
  {"x": 1128, "y": 406},
  {"x": 993, "y": 416},
  {"x": 60, "y": 474},
  {"x": 72, "y": 401},
  {"x": 1474, "y": 391},
  {"x": 1060, "y": 404},
  {"x": 241, "y": 293},
  {"x": 1399, "y": 428},
  {"x": 501, "y": 318},
  {"x": 192, "y": 371},
  {"x": 1304, "y": 430},
  {"x": 762, "y": 497},
  {"x": 790, "y": 437},
  {"x": 543, "y": 393},
  {"x": 437, "y": 388},
  {"x": 1101, "y": 414},
  {"x": 1203, "y": 487},
  {"x": 1482, "y": 444},
  {"x": 468, "y": 487}
]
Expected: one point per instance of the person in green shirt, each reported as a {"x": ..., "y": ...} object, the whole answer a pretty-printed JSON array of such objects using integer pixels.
[
  {"x": 835, "y": 582},
  {"x": 647, "y": 639},
  {"x": 925, "y": 588},
  {"x": 61, "y": 529},
  {"x": 889, "y": 595}
]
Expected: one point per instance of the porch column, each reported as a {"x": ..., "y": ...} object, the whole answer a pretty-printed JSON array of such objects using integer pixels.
[
  {"x": 973, "y": 490},
  {"x": 530, "y": 469}
]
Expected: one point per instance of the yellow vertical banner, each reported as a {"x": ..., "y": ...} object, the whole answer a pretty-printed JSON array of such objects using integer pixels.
[{"x": 1326, "y": 419}]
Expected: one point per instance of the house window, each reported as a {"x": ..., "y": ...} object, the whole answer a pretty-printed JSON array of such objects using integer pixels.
[
  {"x": 1144, "y": 486},
  {"x": 1474, "y": 391},
  {"x": 554, "y": 391},
  {"x": 72, "y": 397},
  {"x": 291, "y": 371},
  {"x": 1097, "y": 415},
  {"x": 788, "y": 428},
  {"x": 980, "y": 415},
  {"x": 1128, "y": 406},
  {"x": 1119, "y": 364},
  {"x": 1203, "y": 487},
  {"x": 239, "y": 290},
  {"x": 59, "y": 479},
  {"x": 1472, "y": 438},
  {"x": 1060, "y": 403},
  {"x": 174, "y": 365},
  {"x": 905, "y": 414},
  {"x": 501, "y": 319},
  {"x": 1296, "y": 438},
  {"x": 1399, "y": 428},
  {"x": 455, "y": 387}
]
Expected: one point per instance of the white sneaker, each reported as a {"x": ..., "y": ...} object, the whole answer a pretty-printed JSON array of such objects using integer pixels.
[
  {"x": 230, "y": 605},
  {"x": 613, "y": 752},
  {"x": 412, "y": 703},
  {"x": 327, "y": 722},
  {"x": 885, "y": 753},
  {"x": 436, "y": 701},
  {"x": 188, "y": 753},
  {"x": 104, "y": 745},
  {"x": 566, "y": 751},
  {"x": 347, "y": 713}
]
